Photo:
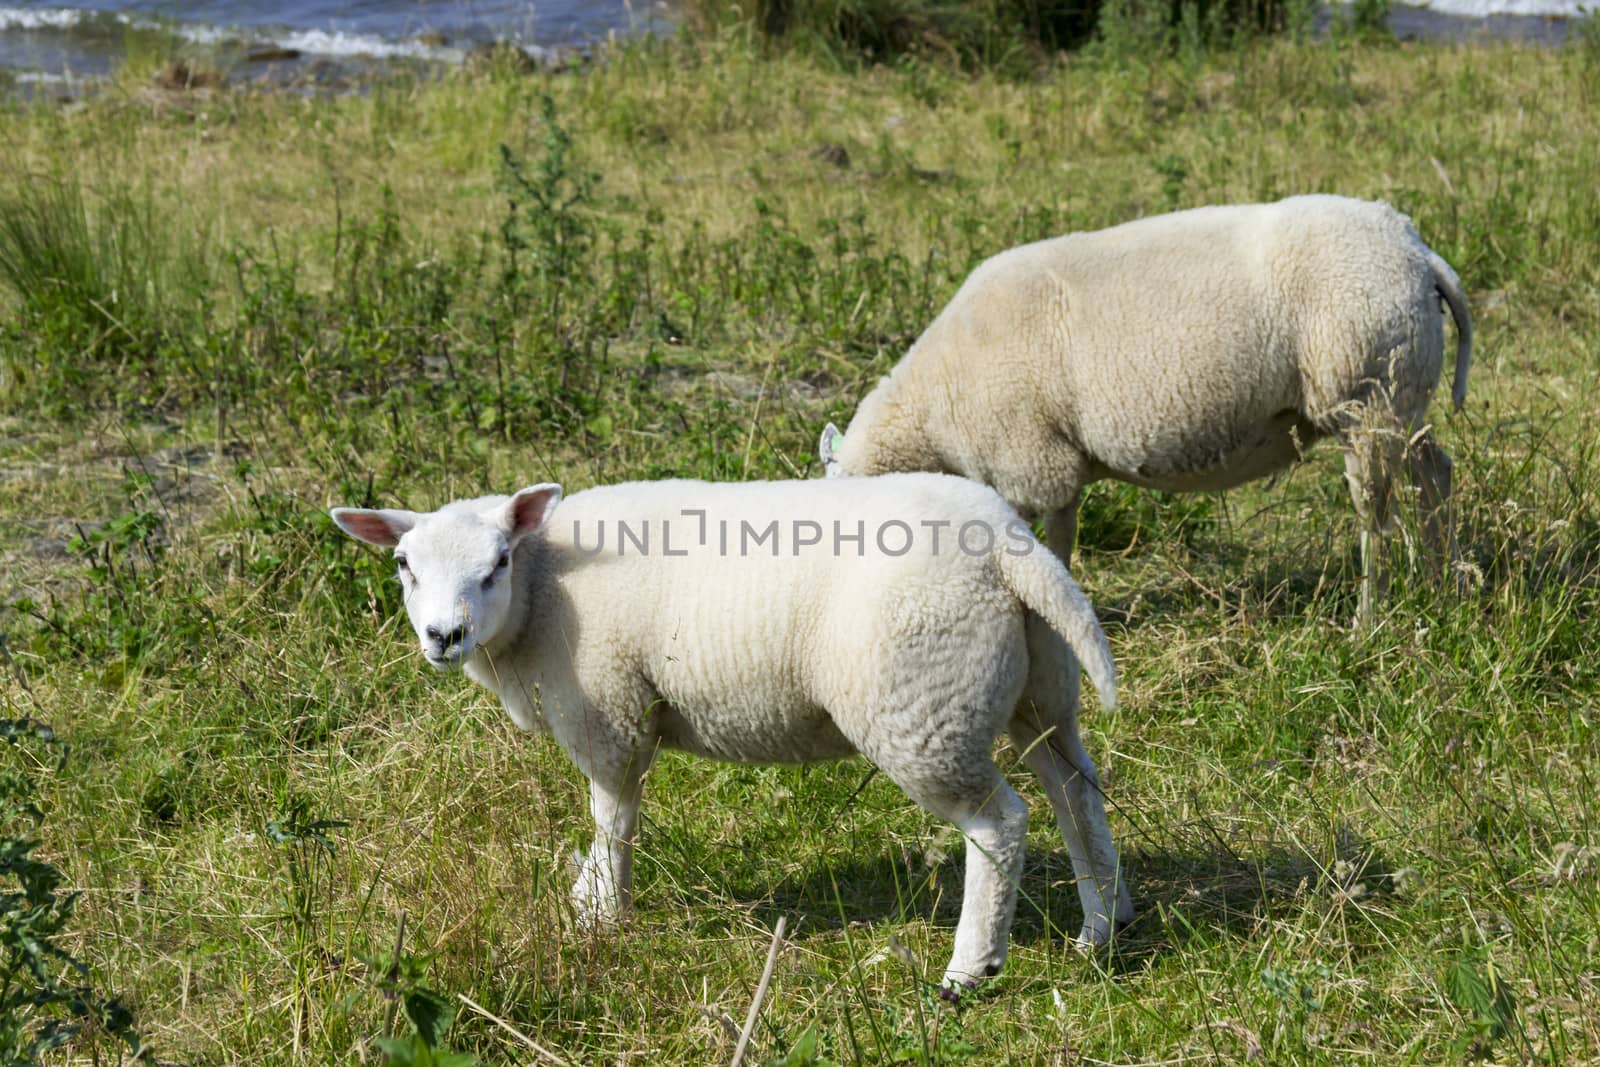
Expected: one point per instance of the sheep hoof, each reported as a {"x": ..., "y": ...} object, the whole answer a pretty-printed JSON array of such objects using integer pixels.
[
  {"x": 1364, "y": 626},
  {"x": 1095, "y": 935},
  {"x": 951, "y": 991},
  {"x": 596, "y": 900},
  {"x": 597, "y": 919},
  {"x": 594, "y": 917}
]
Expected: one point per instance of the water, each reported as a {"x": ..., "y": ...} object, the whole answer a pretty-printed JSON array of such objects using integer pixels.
[
  {"x": 49, "y": 42},
  {"x": 1470, "y": 20}
]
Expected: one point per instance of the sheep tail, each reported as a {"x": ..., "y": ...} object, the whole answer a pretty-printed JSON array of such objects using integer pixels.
[
  {"x": 1450, "y": 288},
  {"x": 1042, "y": 583}
]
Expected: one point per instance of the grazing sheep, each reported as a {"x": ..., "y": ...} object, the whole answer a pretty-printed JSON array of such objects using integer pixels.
[
  {"x": 910, "y": 618},
  {"x": 1186, "y": 352}
]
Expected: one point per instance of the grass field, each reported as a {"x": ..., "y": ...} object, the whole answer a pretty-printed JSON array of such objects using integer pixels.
[{"x": 225, "y": 311}]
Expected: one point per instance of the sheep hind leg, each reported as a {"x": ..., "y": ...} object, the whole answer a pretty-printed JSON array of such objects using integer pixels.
[
  {"x": 1374, "y": 448},
  {"x": 1430, "y": 469},
  {"x": 1061, "y": 530},
  {"x": 994, "y": 820},
  {"x": 1045, "y": 729}
]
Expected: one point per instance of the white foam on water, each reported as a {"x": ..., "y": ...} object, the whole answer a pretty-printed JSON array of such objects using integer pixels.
[
  {"x": 49, "y": 18},
  {"x": 339, "y": 43},
  {"x": 335, "y": 43},
  {"x": 42, "y": 77},
  {"x": 198, "y": 34}
]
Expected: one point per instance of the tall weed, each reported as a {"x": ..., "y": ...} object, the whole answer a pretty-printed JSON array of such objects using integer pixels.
[{"x": 1013, "y": 37}]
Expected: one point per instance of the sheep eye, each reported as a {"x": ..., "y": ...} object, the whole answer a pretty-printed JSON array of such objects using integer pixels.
[
  {"x": 499, "y": 565},
  {"x": 401, "y": 562}
]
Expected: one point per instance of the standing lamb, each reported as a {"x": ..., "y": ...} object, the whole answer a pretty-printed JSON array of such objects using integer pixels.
[
  {"x": 910, "y": 618},
  {"x": 1186, "y": 352}
]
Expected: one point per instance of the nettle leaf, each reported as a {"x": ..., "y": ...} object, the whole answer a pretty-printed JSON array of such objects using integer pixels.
[
  {"x": 1479, "y": 992},
  {"x": 431, "y": 1013},
  {"x": 403, "y": 1051},
  {"x": 41, "y": 1007},
  {"x": 413, "y": 1051},
  {"x": 803, "y": 1053},
  {"x": 53, "y": 1035},
  {"x": 317, "y": 833}
]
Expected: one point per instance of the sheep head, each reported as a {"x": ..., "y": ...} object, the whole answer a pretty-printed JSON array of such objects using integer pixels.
[{"x": 455, "y": 564}]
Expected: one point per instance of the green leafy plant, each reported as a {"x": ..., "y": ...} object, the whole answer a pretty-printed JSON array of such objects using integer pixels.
[
  {"x": 807, "y": 1051},
  {"x": 47, "y": 998},
  {"x": 125, "y": 614},
  {"x": 1296, "y": 990},
  {"x": 1174, "y": 172},
  {"x": 547, "y": 233},
  {"x": 1117, "y": 517},
  {"x": 1478, "y": 990},
  {"x": 307, "y": 844},
  {"x": 402, "y": 979}
]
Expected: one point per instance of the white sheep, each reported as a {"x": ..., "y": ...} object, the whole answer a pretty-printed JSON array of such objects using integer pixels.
[
  {"x": 910, "y": 618},
  {"x": 1185, "y": 352}
]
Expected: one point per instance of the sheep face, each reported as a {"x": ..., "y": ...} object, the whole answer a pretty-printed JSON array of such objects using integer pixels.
[{"x": 455, "y": 564}]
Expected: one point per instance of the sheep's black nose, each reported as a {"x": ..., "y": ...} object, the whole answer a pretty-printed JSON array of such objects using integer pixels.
[{"x": 447, "y": 640}]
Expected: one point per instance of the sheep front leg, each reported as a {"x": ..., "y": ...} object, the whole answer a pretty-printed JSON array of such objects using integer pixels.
[{"x": 603, "y": 891}]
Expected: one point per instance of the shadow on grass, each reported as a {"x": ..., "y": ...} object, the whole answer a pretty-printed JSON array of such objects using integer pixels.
[
  {"x": 1259, "y": 587},
  {"x": 1238, "y": 580},
  {"x": 1213, "y": 893},
  {"x": 1202, "y": 891}
]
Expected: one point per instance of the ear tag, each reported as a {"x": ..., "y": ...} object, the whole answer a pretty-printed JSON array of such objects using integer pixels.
[{"x": 828, "y": 449}]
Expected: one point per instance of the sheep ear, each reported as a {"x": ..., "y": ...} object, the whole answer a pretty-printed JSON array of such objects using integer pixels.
[
  {"x": 530, "y": 509},
  {"x": 381, "y": 527},
  {"x": 828, "y": 447}
]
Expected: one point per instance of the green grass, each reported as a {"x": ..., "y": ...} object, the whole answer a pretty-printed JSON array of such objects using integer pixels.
[{"x": 1382, "y": 849}]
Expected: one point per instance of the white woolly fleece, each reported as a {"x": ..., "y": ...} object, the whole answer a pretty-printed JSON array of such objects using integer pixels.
[{"x": 1190, "y": 351}]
